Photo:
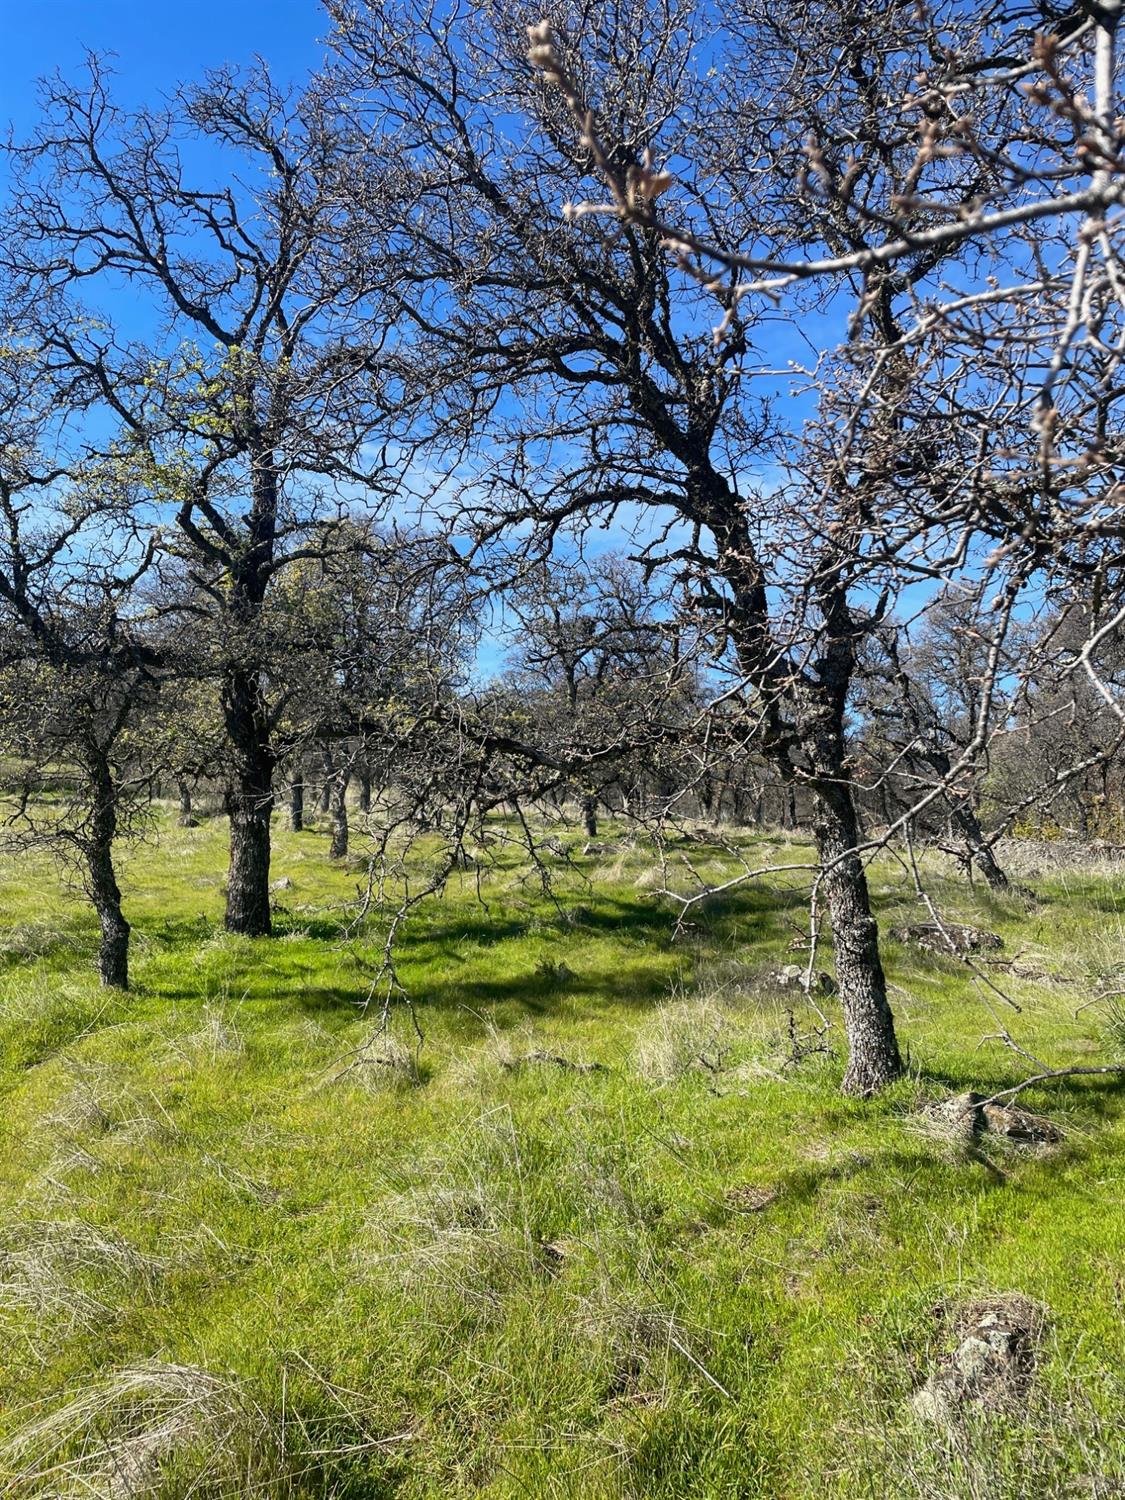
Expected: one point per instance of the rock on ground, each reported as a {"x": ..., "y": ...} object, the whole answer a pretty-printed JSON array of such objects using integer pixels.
[{"x": 993, "y": 1361}]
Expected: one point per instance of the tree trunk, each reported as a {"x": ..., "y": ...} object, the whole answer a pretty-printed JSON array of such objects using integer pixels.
[
  {"x": 979, "y": 852},
  {"x": 365, "y": 793},
  {"x": 873, "y": 1056},
  {"x": 187, "y": 817},
  {"x": 297, "y": 801},
  {"x": 101, "y": 879},
  {"x": 590, "y": 814},
  {"x": 963, "y": 817},
  {"x": 249, "y": 805},
  {"x": 338, "y": 806}
]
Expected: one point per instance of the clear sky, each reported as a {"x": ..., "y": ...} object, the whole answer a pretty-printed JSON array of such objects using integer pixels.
[{"x": 157, "y": 44}]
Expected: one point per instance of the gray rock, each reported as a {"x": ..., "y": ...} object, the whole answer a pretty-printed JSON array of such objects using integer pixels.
[
  {"x": 947, "y": 937},
  {"x": 792, "y": 977},
  {"x": 966, "y": 1115},
  {"x": 992, "y": 1363}
]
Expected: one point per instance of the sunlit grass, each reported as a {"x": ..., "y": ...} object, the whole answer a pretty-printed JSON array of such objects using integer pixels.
[{"x": 232, "y": 1263}]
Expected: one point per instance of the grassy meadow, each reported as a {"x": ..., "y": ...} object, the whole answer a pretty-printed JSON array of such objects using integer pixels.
[{"x": 610, "y": 1230}]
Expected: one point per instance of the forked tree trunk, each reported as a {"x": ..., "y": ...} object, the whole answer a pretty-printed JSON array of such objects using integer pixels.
[
  {"x": 101, "y": 880},
  {"x": 873, "y": 1056},
  {"x": 297, "y": 802},
  {"x": 249, "y": 805},
  {"x": 338, "y": 807}
]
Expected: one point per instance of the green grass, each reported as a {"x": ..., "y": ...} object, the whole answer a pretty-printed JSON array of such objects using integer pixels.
[{"x": 230, "y": 1264}]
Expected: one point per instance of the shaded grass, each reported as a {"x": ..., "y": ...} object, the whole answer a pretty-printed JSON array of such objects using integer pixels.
[{"x": 700, "y": 1272}]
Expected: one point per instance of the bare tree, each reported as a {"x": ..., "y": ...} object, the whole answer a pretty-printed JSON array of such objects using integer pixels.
[
  {"x": 243, "y": 388},
  {"x": 78, "y": 682},
  {"x": 963, "y": 171},
  {"x": 618, "y": 401},
  {"x": 592, "y": 642}
]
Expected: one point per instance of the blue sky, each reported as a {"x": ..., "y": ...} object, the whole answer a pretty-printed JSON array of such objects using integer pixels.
[{"x": 156, "y": 45}]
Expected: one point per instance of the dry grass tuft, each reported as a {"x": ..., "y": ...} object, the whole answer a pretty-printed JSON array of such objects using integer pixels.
[
  {"x": 683, "y": 1037},
  {"x": 217, "y": 1035},
  {"x": 458, "y": 1242},
  {"x": 70, "y": 1269},
  {"x": 384, "y": 1064},
  {"x": 117, "y": 1439},
  {"x": 649, "y": 1349}
]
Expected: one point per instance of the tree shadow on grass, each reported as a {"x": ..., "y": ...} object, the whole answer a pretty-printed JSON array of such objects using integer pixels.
[{"x": 748, "y": 914}]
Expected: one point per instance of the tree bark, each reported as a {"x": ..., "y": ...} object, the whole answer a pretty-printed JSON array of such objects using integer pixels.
[
  {"x": 980, "y": 854},
  {"x": 249, "y": 805},
  {"x": 873, "y": 1056},
  {"x": 338, "y": 807},
  {"x": 365, "y": 793},
  {"x": 101, "y": 879},
  {"x": 297, "y": 801}
]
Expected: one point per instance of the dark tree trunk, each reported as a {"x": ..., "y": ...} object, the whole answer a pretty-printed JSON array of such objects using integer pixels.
[
  {"x": 101, "y": 880},
  {"x": 980, "y": 854},
  {"x": 187, "y": 817},
  {"x": 338, "y": 807},
  {"x": 873, "y": 1055},
  {"x": 964, "y": 819},
  {"x": 249, "y": 805},
  {"x": 325, "y": 799},
  {"x": 790, "y": 807},
  {"x": 297, "y": 802},
  {"x": 365, "y": 793},
  {"x": 590, "y": 815}
]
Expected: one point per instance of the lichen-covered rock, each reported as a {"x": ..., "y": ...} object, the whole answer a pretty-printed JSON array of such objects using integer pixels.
[
  {"x": 992, "y": 1362},
  {"x": 792, "y": 977},
  {"x": 964, "y": 1116},
  {"x": 947, "y": 937}
]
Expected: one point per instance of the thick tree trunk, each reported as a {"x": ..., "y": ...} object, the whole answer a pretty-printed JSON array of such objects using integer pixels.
[
  {"x": 297, "y": 802},
  {"x": 873, "y": 1056},
  {"x": 249, "y": 805},
  {"x": 187, "y": 817},
  {"x": 338, "y": 807},
  {"x": 101, "y": 880}
]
